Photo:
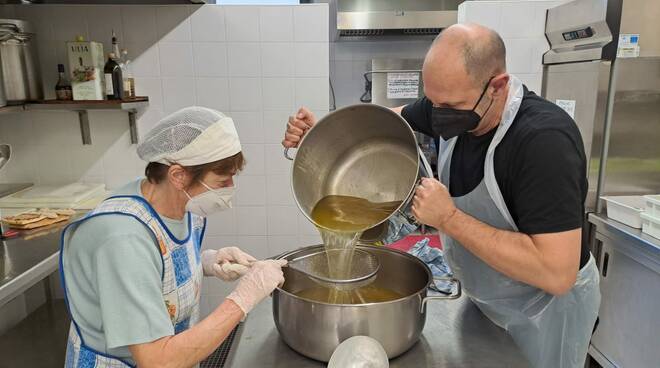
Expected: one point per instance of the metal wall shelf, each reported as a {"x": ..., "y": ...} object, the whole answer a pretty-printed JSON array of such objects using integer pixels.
[
  {"x": 131, "y": 106},
  {"x": 11, "y": 109}
]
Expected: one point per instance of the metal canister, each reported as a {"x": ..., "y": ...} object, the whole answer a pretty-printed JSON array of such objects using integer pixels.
[{"x": 20, "y": 61}]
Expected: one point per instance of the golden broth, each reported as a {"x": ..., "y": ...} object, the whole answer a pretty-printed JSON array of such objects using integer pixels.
[
  {"x": 341, "y": 213},
  {"x": 366, "y": 294},
  {"x": 341, "y": 220}
]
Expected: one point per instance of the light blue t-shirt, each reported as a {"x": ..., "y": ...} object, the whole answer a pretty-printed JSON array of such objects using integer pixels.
[{"x": 113, "y": 273}]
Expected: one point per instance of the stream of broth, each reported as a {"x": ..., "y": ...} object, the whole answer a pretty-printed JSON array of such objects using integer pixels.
[{"x": 341, "y": 220}]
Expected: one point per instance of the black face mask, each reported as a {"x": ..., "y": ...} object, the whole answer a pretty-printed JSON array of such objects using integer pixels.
[{"x": 449, "y": 123}]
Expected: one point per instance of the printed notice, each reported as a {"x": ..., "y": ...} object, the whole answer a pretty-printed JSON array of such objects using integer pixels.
[
  {"x": 568, "y": 106},
  {"x": 628, "y": 45},
  {"x": 402, "y": 85}
]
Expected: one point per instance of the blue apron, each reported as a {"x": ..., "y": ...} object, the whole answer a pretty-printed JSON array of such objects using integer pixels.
[
  {"x": 552, "y": 331},
  {"x": 181, "y": 278}
]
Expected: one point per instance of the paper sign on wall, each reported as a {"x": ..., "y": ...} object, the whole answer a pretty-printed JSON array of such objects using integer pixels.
[
  {"x": 628, "y": 45},
  {"x": 402, "y": 85},
  {"x": 568, "y": 106}
]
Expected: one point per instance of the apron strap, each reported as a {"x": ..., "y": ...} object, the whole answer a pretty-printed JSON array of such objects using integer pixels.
[{"x": 514, "y": 99}]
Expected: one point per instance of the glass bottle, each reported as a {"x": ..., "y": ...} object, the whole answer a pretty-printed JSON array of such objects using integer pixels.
[
  {"x": 114, "y": 81},
  {"x": 63, "y": 89}
]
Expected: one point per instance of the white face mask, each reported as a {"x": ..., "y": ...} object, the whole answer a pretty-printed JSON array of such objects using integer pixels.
[{"x": 211, "y": 201}]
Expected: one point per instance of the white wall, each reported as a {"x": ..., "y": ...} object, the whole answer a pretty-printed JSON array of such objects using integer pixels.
[
  {"x": 255, "y": 63},
  {"x": 350, "y": 59},
  {"x": 521, "y": 24}
]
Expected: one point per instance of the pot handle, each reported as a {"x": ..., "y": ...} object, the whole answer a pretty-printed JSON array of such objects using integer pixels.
[
  {"x": 428, "y": 171},
  {"x": 455, "y": 295},
  {"x": 286, "y": 154}
]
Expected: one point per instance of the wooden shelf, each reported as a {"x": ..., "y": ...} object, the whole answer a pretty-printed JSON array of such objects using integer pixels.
[
  {"x": 11, "y": 109},
  {"x": 127, "y": 105},
  {"x": 131, "y": 106}
]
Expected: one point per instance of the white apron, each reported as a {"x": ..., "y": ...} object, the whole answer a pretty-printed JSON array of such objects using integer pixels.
[
  {"x": 551, "y": 331},
  {"x": 181, "y": 278}
]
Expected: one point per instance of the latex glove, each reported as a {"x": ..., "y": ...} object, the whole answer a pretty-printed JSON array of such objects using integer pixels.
[
  {"x": 297, "y": 126},
  {"x": 259, "y": 282},
  {"x": 227, "y": 264}
]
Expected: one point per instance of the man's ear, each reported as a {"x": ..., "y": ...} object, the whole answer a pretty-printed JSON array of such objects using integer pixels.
[{"x": 499, "y": 83}]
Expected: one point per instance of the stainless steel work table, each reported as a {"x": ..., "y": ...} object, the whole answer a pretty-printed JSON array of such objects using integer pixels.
[
  {"x": 629, "y": 265},
  {"x": 24, "y": 261},
  {"x": 456, "y": 334}
]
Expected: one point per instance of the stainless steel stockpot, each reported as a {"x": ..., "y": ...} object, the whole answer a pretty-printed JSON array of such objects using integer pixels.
[
  {"x": 315, "y": 329},
  {"x": 366, "y": 151}
]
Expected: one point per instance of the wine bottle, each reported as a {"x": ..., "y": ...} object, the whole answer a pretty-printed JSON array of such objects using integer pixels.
[
  {"x": 63, "y": 89},
  {"x": 114, "y": 81}
]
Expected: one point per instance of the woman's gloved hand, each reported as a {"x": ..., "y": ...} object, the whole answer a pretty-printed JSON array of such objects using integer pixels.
[
  {"x": 261, "y": 279},
  {"x": 227, "y": 264}
]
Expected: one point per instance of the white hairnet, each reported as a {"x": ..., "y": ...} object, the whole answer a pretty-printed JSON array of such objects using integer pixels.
[{"x": 191, "y": 136}]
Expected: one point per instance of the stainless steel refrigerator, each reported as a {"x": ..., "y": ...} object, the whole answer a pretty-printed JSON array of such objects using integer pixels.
[{"x": 615, "y": 102}]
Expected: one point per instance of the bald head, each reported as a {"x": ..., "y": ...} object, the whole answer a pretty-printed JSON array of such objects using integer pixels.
[{"x": 479, "y": 49}]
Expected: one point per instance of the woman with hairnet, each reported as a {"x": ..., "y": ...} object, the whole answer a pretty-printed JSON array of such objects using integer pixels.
[{"x": 132, "y": 268}]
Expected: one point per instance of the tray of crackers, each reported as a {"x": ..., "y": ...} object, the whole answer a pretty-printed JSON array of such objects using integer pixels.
[{"x": 39, "y": 218}]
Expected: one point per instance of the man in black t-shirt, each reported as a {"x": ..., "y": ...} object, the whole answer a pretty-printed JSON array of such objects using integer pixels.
[{"x": 509, "y": 202}]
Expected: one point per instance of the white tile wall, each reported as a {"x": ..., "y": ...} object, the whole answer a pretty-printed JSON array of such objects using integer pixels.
[
  {"x": 521, "y": 24},
  {"x": 208, "y": 24},
  {"x": 349, "y": 61},
  {"x": 272, "y": 120},
  {"x": 311, "y": 92},
  {"x": 244, "y": 59},
  {"x": 257, "y": 245},
  {"x": 283, "y": 220},
  {"x": 242, "y": 23},
  {"x": 277, "y": 59},
  {"x": 311, "y": 59},
  {"x": 251, "y": 190},
  {"x": 250, "y": 127},
  {"x": 178, "y": 93},
  {"x": 238, "y": 59},
  {"x": 310, "y": 24},
  {"x": 251, "y": 220},
  {"x": 173, "y": 24},
  {"x": 212, "y": 93},
  {"x": 278, "y": 93},
  {"x": 176, "y": 59},
  {"x": 210, "y": 59},
  {"x": 245, "y": 94},
  {"x": 139, "y": 24},
  {"x": 276, "y": 24},
  {"x": 256, "y": 164}
]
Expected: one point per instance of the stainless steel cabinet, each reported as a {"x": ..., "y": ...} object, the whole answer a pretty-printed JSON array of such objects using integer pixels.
[{"x": 627, "y": 334}]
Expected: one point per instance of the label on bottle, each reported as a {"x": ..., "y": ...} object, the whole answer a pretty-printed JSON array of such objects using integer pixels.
[
  {"x": 64, "y": 94},
  {"x": 127, "y": 88},
  {"x": 109, "y": 89}
]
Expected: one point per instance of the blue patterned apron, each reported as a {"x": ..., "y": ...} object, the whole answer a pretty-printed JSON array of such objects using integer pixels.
[{"x": 181, "y": 277}]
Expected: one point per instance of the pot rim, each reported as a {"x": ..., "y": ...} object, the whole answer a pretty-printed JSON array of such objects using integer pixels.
[
  {"x": 379, "y": 247},
  {"x": 404, "y": 202}
]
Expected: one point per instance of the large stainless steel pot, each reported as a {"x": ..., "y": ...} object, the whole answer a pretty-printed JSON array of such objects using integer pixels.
[
  {"x": 315, "y": 329},
  {"x": 20, "y": 62},
  {"x": 365, "y": 151}
]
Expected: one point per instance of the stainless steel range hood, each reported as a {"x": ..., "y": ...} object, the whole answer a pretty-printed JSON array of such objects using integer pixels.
[{"x": 394, "y": 17}]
